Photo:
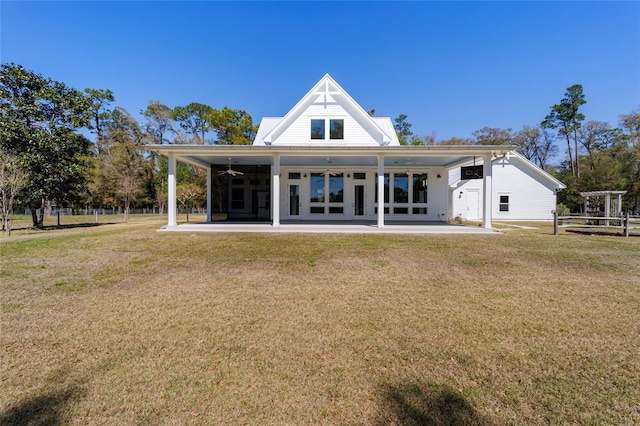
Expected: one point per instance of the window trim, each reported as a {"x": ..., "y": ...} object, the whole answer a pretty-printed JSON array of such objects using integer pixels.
[
  {"x": 327, "y": 134},
  {"x": 323, "y": 128},
  {"x": 505, "y": 204},
  {"x": 331, "y": 121}
]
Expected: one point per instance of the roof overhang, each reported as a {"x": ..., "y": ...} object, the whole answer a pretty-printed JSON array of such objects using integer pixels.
[{"x": 447, "y": 156}]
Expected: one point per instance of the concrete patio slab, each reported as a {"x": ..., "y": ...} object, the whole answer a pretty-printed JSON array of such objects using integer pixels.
[{"x": 336, "y": 228}]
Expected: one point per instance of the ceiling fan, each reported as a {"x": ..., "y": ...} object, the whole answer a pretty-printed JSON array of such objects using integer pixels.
[
  {"x": 331, "y": 173},
  {"x": 230, "y": 171}
]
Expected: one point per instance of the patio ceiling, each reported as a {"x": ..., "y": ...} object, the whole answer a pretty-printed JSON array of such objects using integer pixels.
[{"x": 335, "y": 157}]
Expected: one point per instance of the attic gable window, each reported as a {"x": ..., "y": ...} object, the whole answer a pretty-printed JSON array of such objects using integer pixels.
[
  {"x": 317, "y": 129},
  {"x": 336, "y": 129}
]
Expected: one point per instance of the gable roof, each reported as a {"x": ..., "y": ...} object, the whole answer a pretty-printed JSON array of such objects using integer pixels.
[
  {"x": 455, "y": 180},
  {"x": 532, "y": 167},
  {"x": 267, "y": 124},
  {"x": 327, "y": 90}
]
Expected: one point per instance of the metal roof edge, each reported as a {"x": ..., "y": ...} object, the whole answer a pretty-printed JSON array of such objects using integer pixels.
[{"x": 483, "y": 149}]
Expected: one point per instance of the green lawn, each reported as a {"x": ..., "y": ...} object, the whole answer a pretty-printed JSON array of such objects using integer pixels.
[{"x": 120, "y": 324}]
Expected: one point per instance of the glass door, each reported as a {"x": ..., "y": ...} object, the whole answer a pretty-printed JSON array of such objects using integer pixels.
[
  {"x": 358, "y": 200},
  {"x": 294, "y": 200}
]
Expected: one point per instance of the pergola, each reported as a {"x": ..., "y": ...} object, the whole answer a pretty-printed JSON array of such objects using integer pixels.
[{"x": 612, "y": 208}]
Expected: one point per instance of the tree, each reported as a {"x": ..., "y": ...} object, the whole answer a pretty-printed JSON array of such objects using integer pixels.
[
  {"x": 12, "y": 179},
  {"x": 162, "y": 196},
  {"x": 493, "y": 136},
  {"x": 39, "y": 123},
  {"x": 122, "y": 173},
  {"x": 234, "y": 126},
  {"x": 421, "y": 141},
  {"x": 159, "y": 122},
  {"x": 536, "y": 145},
  {"x": 602, "y": 173},
  {"x": 416, "y": 141},
  {"x": 457, "y": 141},
  {"x": 98, "y": 111},
  {"x": 631, "y": 125},
  {"x": 128, "y": 163},
  {"x": 596, "y": 136},
  {"x": 403, "y": 128},
  {"x": 188, "y": 195},
  {"x": 629, "y": 156},
  {"x": 196, "y": 120},
  {"x": 566, "y": 117}
]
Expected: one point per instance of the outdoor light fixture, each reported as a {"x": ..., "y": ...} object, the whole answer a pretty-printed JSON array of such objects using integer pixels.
[{"x": 439, "y": 176}]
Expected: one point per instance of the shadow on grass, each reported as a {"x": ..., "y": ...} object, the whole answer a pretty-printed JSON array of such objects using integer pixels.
[
  {"x": 608, "y": 233},
  {"x": 425, "y": 405},
  {"x": 68, "y": 226},
  {"x": 41, "y": 410}
]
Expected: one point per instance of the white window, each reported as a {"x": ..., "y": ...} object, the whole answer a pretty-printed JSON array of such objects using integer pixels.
[
  {"x": 504, "y": 203},
  {"x": 317, "y": 129},
  {"x": 335, "y": 129}
]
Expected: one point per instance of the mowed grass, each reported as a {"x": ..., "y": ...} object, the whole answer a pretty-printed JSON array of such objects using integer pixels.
[{"x": 121, "y": 324}]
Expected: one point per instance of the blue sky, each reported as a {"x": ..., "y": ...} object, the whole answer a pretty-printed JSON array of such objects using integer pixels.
[{"x": 451, "y": 67}]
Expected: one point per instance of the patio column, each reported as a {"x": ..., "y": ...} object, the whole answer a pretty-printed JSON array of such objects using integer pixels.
[
  {"x": 607, "y": 208},
  {"x": 275, "y": 191},
  {"x": 487, "y": 189},
  {"x": 171, "y": 202},
  {"x": 619, "y": 206},
  {"x": 380, "y": 191},
  {"x": 209, "y": 212}
]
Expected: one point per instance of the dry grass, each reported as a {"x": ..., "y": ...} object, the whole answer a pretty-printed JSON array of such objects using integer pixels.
[{"x": 120, "y": 324}]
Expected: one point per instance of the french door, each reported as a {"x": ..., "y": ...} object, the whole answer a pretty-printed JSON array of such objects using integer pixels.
[
  {"x": 294, "y": 200},
  {"x": 358, "y": 200}
]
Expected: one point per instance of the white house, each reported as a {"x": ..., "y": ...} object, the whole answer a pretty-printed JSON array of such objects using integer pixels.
[
  {"x": 328, "y": 160},
  {"x": 520, "y": 191}
]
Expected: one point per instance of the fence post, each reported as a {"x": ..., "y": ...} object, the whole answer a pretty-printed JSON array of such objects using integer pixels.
[
  {"x": 58, "y": 217},
  {"x": 555, "y": 222},
  {"x": 626, "y": 224}
]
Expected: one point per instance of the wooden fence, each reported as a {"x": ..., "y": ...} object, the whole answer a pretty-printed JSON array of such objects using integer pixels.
[{"x": 624, "y": 223}]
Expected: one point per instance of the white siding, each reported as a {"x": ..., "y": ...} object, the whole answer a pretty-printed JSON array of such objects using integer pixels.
[
  {"x": 530, "y": 196},
  {"x": 299, "y": 132}
]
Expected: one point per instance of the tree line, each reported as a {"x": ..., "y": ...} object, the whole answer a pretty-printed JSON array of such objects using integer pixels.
[
  {"x": 598, "y": 157},
  {"x": 73, "y": 149}
]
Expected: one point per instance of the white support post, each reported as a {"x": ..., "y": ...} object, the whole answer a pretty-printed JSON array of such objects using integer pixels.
[
  {"x": 172, "y": 197},
  {"x": 275, "y": 191},
  {"x": 209, "y": 212},
  {"x": 487, "y": 189},
  {"x": 586, "y": 205},
  {"x": 380, "y": 191},
  {"x": 607, "y": 208}
]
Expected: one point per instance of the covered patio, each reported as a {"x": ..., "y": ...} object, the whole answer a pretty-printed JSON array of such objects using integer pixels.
[{"x": 376, "y": 163}]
